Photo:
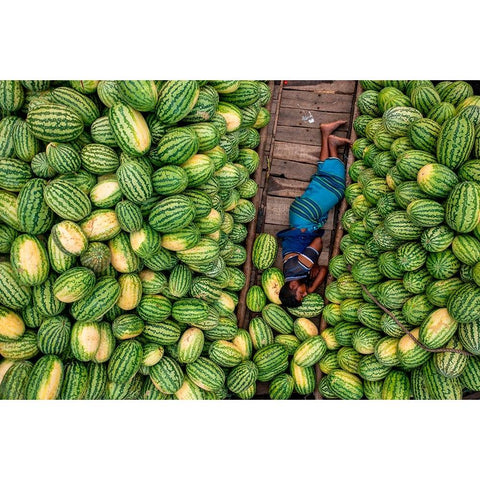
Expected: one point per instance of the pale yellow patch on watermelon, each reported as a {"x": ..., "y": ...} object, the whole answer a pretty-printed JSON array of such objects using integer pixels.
[
  {"x": 214, "y": 235},
  {"x": 4, "y": 366},
  {"x": 103, "y": 190},
  {"x": 439, "y": 321},
  {"x": 105, "y": 345},
  {"x": 153, "y": 357},
  {"x": 101, "y": 226},
  {"x": 31, "y": 258},
  {"x": 89, "y": 338},
  {"x": 188, "y": 391},
  {"x": 11, "y": 325},
  {"x": 307, "y": 327},
  {"x": 225, "y": 302},
  {"x": 130, "y": 291},
  {"x": 406, "y": 343},
  {"x": 137, "y": 239},
  {"x": 51, "y": 386},
  {"x": 71, "y": 238},
  {"x": 141, "y": 138}
]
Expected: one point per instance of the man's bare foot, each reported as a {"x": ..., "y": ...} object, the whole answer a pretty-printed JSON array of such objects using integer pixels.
[
  {"x": 334, "y": 141},
  {"x": 328, "y": 128}
]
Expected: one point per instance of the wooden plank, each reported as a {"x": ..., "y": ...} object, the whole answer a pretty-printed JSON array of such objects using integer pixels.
[
  {"x": 291, "y": 151},
  {"x": 304, "y": 135},
  {"x": 293, "y": 170},
  {"x": 307, "y": 118},
  {"x": 316, "y": 101},
  {"x": 343, "y": 86},
  {"x": 286, "y": 187}
]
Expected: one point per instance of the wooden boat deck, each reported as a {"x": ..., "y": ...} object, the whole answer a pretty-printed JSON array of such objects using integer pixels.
[{"x": 289, "y": 151}]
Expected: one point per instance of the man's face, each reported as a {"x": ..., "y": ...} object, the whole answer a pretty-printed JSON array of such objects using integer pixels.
[{"x": 301, "y": 292}]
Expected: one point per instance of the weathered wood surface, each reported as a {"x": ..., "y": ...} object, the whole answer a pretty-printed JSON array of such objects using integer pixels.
[
  {"x": 307, "y": 135},
  {"x": 316, "y": 102},
  {"x": 335, "y": 86}
]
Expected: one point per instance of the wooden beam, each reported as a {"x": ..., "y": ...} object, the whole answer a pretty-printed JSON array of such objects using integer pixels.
[
  {"x": 293, "y": 152},
  {"x": 293, "y": 170},
  {"x": 316, "y": 101},
  {"x": 337, "y": 86},
  {"x": 306, "y": 135},
  {"x": 286, "y": 187}
]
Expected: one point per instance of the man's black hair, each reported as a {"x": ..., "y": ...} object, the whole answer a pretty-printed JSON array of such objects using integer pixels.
[{"x": 288, "y": 296}]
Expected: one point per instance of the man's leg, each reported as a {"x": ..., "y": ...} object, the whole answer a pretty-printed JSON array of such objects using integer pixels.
[
  {"x": 326, "y": 130},
  {"x": 334, "y": 142}
]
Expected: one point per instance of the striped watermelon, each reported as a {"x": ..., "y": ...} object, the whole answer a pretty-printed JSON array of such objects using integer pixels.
[
  {"x": 455, "y": 142},
  {"x": 438, "y": 386},
  {"x": 176, "y": 99},
  {"x": 442, "y": 112},
  {"x": 34, "y": 215},
  {"x": 242, "y": 376},
  {"x": 470, "y": 377},
  {"x": 450, "y": 364},
  {"x": 129, "y": 129},
  {"x": 281, "y": 387},
  {"x": 139, "y": 94},
  {"x": 437, "y": 329},
  {"x": 436, "y": 180},
  {"x": 54, "y": 123},
  {"x": 167, "y": 375},
  {"x": 103, "y": 296},
  {"x": 29, "y": 260},
  {"x": 260, "y": 332},
  {"x": 206, "y": 374},
  {"x": 346, "y": 385},
  {"x": 125, "y": 361},
  {"x": 175, "y": 147},
  {"x": 424, "y": 98},
  {"x": 464, "y": 303},
  {"x": 67, "y": 200},
  {"x": 396, "y": 386},
  {"x": 127, "y": 326},
  {"x": 398, "y": 119},
  {"x": 462, "y": 208},
  {"x": 45, "y": 379},
  {"x": 310, "y": 351},
  {"x": 437, "y": 239}
]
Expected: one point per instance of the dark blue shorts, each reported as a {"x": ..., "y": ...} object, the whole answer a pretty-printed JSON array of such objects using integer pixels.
[{"x": 294, "y": 240}]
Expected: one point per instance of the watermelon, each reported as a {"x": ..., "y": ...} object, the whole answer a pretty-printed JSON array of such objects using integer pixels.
[
  {"x": 436, "y": 180},
  {"x": 462, "y": 208},
  {"x": 346, "y": 385},
  {"x": 455, "y": 142},
  {"x": 176, "y": 99}
]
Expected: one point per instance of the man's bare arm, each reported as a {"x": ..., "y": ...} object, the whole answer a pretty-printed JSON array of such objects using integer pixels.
[{"x": 318, "y": 280}]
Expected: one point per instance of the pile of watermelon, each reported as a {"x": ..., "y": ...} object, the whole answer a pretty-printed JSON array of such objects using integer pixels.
[
  {"x": 412, "y": 242},
  {"x": 123, "y": 217}
]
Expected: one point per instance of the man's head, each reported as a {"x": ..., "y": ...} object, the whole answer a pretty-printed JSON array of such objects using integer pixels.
[{"x": 292, "y": 293}]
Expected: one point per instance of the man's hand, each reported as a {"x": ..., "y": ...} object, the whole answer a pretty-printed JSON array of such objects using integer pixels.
[
  {"x": 318, "y": 279},
  {"x": 314, "y": 271}
]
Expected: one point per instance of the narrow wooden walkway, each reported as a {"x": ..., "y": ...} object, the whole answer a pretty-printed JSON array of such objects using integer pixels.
[
  {"x": 290, "y": 150},
  {"x": 293, "y": 147}
]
